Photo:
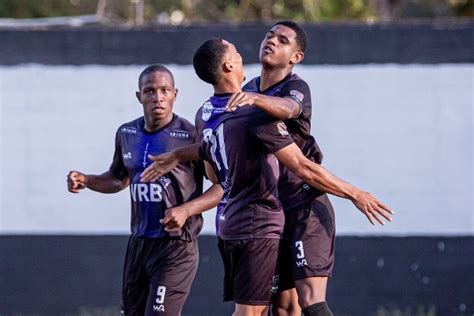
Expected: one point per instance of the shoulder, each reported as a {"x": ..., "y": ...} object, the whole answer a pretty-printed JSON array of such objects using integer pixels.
[
  {"x": 182, "y": 128},
  {"x": 183, "y": 124},
  {"x": 131, "y": 127},
  {"x": 252, "y": 85},
  {"x": 297, "y": 81},
  {"x": 204, "y": 112}
]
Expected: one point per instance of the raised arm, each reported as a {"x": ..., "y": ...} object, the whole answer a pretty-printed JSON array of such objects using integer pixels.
[
  {"x": 280, "y": 108},
  {"x": 322, "y": 180},
  {"x": 103, "y": 183},
  {"x": 176, "y": 217},
  {"x": 166, "y": 162}
]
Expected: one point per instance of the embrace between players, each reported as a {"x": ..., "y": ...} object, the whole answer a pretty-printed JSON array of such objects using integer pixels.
[{"x": 274, "y": 222}]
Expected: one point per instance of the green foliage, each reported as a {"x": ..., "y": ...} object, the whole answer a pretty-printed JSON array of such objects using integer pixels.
[
  {"x": 235, "y": 10},
  {"x": 45, "y": 8}
]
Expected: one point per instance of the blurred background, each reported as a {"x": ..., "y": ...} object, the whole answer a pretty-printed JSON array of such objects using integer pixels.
[
  {"x": 392, "y": 86},
  {"x": 184, "y": 12}
]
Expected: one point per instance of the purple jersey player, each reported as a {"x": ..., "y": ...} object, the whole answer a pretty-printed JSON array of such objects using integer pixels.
[
  {"x": 161, "y": 263},
  {"x": 307, "y": 250},
  {"x": 246, "y": 262}
]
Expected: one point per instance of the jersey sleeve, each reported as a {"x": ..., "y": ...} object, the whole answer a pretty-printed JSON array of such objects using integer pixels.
[
  {"x": 272, "y": 134},
  {"x": 298, "y": 91},
  {"x": 117, "y": 168}
]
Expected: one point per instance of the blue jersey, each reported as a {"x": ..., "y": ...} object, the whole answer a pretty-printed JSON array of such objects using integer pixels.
[
  {"x": 239, "y": 146},
  {"x": 293, "y": 192},
  {"x": 149, "y": 200}
]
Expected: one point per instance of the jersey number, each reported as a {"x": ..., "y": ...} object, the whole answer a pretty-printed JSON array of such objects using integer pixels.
[
  {"x": 160, "y": 294},
  {"x": 216, "y": 139},
  {"x": 299, "y": 246}
]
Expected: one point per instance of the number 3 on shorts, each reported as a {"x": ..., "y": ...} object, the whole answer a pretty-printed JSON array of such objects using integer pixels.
[
  {"x": 160, "y": 294},
  {"x": 299, "y": 246}
]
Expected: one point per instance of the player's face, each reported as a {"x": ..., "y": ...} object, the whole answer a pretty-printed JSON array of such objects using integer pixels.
[
  {"x": 279, "y": 47},
  {"x": 234, "y": 58},
  {"x": 157, "y": 95}
]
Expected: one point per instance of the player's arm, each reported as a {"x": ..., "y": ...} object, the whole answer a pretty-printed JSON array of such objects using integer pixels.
[
  {"x": 103, "y": 183},
  {"x": 176, "y": 217},
  {"x": 321, "y": 179},
  {"x": 166, "y": 162},
  {"x": 280, "y": 108}
]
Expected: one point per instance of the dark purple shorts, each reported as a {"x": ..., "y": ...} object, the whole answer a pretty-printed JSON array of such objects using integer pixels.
[
  {"x": 157, "y": 276},
  {"x": 250, "y": 267},
  {"x": 307, "y": 247}
]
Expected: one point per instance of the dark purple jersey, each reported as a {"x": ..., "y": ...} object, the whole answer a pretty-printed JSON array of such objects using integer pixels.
[
  {"x": 239, "y": 146},
  {"x": 293, "y": 192},
  {"x": 149, "y": 200}
]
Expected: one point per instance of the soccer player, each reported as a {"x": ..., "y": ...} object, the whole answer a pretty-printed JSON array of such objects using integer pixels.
[
  {"x": 234, "y": 144},
  {"x": 308, "y": 249},
  {"x": 161, "y": 262}
]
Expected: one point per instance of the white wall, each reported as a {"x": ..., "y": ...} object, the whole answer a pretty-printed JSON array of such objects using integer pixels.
[{"x": 405, "y": 133}]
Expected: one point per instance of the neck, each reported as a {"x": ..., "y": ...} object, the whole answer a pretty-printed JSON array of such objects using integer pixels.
[
  {"x": 270, "y": 76},
  {"x": 152, "y": 125},
  {"x": 226, "y": 86}
]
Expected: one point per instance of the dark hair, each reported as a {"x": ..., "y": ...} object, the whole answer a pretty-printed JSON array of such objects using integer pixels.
[
  {"x": 301, "y": 37},
  {"x": 151, "y": 69},
  {"x": 208, "y": 58}
]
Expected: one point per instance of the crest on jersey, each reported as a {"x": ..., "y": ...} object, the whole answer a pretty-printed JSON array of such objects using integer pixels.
[
  {"x": 298, "y": 95},
  {"x": 282, "y": 129},
  {"x": 207, "y": 111}
]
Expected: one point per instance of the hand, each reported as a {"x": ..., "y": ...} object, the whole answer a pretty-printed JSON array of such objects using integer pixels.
[
  {"x": 240, "y": 99},
  {"x": 175, "y": 218},
  {"x": 76, "y": 181},
  {"x": 161, "y": 165},
  {"x": 372, "y": 208}
]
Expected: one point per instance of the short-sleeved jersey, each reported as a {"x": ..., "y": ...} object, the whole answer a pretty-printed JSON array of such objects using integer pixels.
[
  {"x": 294, "y": 192},
  {"x": 239, "y": 145},
  {"x": 149, "y": 200}
]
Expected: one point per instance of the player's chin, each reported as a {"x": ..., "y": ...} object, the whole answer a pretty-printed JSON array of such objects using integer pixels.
[
  {"x": 159, "y": 116},
  {"x": 267, "y": 59}
]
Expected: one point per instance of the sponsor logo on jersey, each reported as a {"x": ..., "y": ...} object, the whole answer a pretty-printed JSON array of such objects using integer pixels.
[
  {"x": 282, "y": 129},
  {"x": 207, "y": 111},
  {"x": 127, "y": 156},
  {"x": 298, "y": 95},
  {"x": 146, "y": 192},
  {"x": 129, "y": 130},
  {"x": 180, "y": 134}
]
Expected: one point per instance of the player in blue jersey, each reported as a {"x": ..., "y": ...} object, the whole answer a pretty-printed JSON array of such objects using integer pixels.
[
  {"x": 232, "y": 142},
  {"x": 161, "y": 259}
]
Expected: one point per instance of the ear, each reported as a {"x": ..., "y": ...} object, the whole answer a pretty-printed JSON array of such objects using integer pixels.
[
  {"x": 175, "y": 94},
  {"x": 227, "y": 66},
  {"x": 296, "y": 58},
  {"x": 138, "y": 95}
]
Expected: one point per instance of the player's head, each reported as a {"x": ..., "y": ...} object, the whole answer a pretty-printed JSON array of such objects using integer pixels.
[
  {"x": 284, "y": 45},
  {"x": 217, "y": 60},
  {"x": 157, "y": 93}
]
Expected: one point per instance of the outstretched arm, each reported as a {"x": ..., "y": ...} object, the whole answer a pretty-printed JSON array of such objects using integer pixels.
[
  {"x": 166, "y": 162},
  {"x": 321, "y": 179},
  {"x": 103, "y": 183},
  {"x": 176, "y": 217},
  {"x": 280, "y": 108}
]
